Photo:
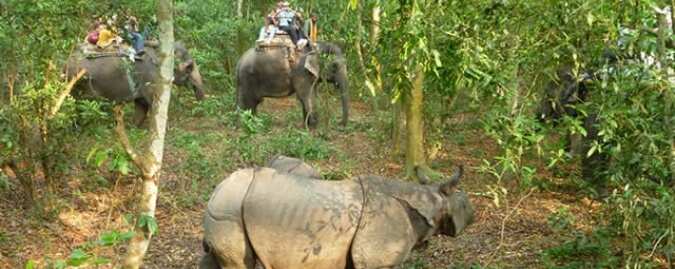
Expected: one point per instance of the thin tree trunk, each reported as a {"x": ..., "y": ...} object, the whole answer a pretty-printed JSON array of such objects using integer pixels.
[
  {"x": 667, "y": 93},
  {"x": 359, "y": 35},
  {"x": 240, "y": 4},
  {"x": 375, "y": 29},
  {"x": 150, "y": 163},
  {"x": 414, "y": 153},
  {"x": 396, "y": 130},
  {"x": 374, "y": 37}
]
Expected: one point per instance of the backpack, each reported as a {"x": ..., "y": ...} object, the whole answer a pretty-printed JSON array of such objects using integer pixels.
[{"x": 92, "y": 37}]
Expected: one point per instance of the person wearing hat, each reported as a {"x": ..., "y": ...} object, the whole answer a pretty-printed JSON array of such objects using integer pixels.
[{"x": 312, "y": 27}]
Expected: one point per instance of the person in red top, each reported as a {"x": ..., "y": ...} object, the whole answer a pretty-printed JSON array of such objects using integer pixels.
[{"x": 92, "y": 37}]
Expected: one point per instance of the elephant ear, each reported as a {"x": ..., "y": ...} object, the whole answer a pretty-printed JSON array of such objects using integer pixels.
[{"x": 312, "y": 64}]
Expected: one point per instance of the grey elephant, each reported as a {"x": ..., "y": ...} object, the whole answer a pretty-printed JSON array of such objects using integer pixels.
[
  {"x": 293, "y": 166},
  {"x": 267, "y": 72},
  {"x": 569, "y": 88},
  {"x": 288, "y": 221},
  {"x": 113, "y": 76}
]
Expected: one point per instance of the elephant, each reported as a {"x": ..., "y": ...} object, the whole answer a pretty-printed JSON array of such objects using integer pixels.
[
  {"x": 268, "y": 72},
  {"x": 567, "y": 89},
  {"x": 293, "y": 166},
  {"x": 115, "y": 77},
  {"x": 288, "y": 221}
]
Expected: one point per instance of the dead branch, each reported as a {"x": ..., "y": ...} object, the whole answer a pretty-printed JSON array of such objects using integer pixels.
[{"x": 503, "y": 226}]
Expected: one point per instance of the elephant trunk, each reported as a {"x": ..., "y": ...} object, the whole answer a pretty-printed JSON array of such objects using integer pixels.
[
  {"x": 196, "y": 81},
  {"x": 342, "y": 81}
]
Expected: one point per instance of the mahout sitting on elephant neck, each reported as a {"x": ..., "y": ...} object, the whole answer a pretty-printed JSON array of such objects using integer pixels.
[{"x": 289, "y": 221}]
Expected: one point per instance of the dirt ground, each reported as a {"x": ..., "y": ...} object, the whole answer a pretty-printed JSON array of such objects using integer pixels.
[{"x": 511, "y": 234}]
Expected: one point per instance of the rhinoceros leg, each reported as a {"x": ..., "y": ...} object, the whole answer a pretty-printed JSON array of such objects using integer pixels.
[
  {"x": 223, "y": 227},
  {"x": 209, "y": 262}
]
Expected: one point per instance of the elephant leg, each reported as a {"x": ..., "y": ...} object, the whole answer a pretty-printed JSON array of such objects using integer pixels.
[
  {"x": 140, "y": 111},
  {"x": 305, "y": 92},
  {"x": 248, "y": 101},
  {"x": 309, "y": 116}
]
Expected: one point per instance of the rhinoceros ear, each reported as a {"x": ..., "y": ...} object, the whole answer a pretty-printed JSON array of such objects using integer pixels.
[
  {"x": 449, "y": 185},
  {"x": 272, "y": 160},
  {"x": 422, "y": 178}
]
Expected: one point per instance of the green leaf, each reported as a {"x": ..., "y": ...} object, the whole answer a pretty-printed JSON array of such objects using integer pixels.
[
  {"x": 437, "y": 58},
  {"x": 123, "y": 166},
  {"x": 78, "y": 258},
  {"x": 126, "y": 236},
  {"x": 149, "y": 222},
  {"x": 101, "y": 156},
  {"x": 91, "y": 153},
  {"x": 30, "y": 264},
  {"x": 98, "y": 261},
  {"x": 109, "y": 239}
]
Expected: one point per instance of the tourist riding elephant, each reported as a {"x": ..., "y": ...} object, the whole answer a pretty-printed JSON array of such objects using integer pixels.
[
  {"x": 113, "y": 76},
  {"x": 288, "y": 221},
  {"x": 267, "y": 72}
]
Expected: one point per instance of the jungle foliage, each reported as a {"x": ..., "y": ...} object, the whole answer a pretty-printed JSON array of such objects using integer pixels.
[{"x": 487, "y": 60}]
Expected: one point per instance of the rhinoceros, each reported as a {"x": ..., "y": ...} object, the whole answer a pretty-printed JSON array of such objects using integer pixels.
[
  {"x": 293, "y": 165},
  {"x": 284, "y": 220}
]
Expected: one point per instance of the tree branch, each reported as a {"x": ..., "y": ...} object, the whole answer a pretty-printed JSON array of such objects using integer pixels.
[
  {"x": 64, "y": 93},
  {"x": 122, "y": 135},
  {"x": 670, "y": 43}
]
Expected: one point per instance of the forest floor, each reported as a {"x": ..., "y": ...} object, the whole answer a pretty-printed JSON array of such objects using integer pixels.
[{"x": 513, "y": 233}]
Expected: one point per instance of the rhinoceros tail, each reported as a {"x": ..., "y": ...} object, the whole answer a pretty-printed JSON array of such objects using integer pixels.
[
  {"x": 206, "y": 246},
  {"x": 208, "y": 260}
]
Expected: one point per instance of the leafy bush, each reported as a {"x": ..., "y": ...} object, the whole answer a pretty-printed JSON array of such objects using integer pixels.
[{"x": 300, "y": 144}]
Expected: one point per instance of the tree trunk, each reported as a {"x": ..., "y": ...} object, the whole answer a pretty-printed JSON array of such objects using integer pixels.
[
  {"x": 374, "y": 37},
  {"x": 414, "y": 146},
  {"x": 667, "y": 93},
  {"x": 240, "y": 4},
  {"x": 150, "y": 163},
  {"x": 375, "y": 29},
  {"x": 359, "y": 36}
]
